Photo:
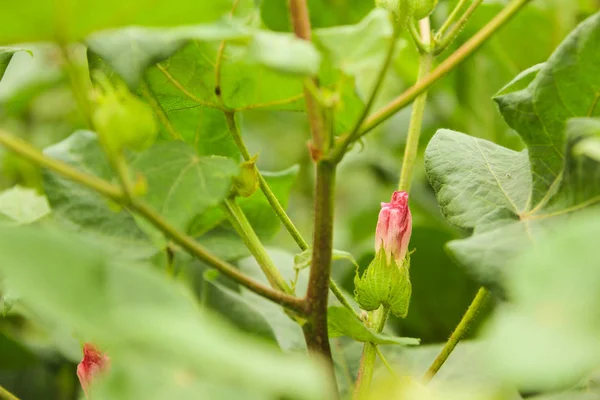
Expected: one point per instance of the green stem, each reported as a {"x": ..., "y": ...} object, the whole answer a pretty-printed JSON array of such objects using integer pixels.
[
  {"x": 459, "y": 332},
  {"x": 452, "y": 17},
  {"x": 445, "y": 67},
  {"x": 274, "y": 202},
  {"x": 115, "y": 193},
  {"x": 315, "y": 329},
  {"x": 384, "y": 361},
  {"x": 367, "y": 361},
  {"x": 264, "y": 186},
  {"x": 335, "y": 289},
  {"x": 244, "y": 229},
  {"x": 442, "y": 44},
  {"x": 6, "y": 395},
  {"x": 414, "y": 128}
]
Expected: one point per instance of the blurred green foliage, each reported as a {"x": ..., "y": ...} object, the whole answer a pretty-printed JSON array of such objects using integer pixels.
[{"x": 262, "y": 79}]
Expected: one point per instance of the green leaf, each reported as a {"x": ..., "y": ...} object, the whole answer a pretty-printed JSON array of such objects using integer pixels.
[
  {"x": 561, "y": 89},
  {"x": 342, "y": 322},
  {"x": 23, "y": 205},
  {"x": 14, "y": 355},
  {"x": 143, "y": 319},
  {"x": 233, "y": 307},
  {"x": 505, "y": 199},
  {"x": 355, "y": 49},
  {"x": 181, "y": 184},
  {"x": 546, "y": 337},
  {"x": 6, "y": 54},
  {"x": 84, "y": 210},
  {"x": 46, "y": 20},
  {"x": 130, "y": 51}
]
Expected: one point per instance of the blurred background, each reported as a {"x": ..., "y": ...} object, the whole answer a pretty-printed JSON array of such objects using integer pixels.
[{"x": 36, "y": 103}]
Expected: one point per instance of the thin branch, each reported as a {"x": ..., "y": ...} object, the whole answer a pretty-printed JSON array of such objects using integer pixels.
[
  {"x": 244, "y": 229},
  {"x": 385, "y": 362},
  {"x": 443, "y": 43},
  {"x": 445, "y": 67},
  {"x": 115, "y": 193},
  {"x": 414, "y": 33},
  {"x": 452, "y": 17},
  {"x": 264, "y": 186},
  {"x": 338, "y": 152},
  {"x": 6, "y": 395},
  {"x": 335, "y": 289},
  {"x": 459, "y": 332},
  {"x": 302, "y": 29}
]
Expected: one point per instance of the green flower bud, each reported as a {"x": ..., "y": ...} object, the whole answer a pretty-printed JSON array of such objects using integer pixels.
[
  {"x": 246, "y": 183},
  {"x": 122, "y": 120},
  {"x": 422, "y": 8}
]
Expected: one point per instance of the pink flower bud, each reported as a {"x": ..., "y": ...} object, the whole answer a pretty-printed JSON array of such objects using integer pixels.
[
  {"x": 93, "y": 363},
  {"x": 394, "y": 227}
]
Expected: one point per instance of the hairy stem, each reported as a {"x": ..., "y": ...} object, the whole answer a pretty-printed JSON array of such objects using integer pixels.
[
  {"x": 6, "y": 395},
  {"x": 274, "y": 202},
  {"x": 315, "y": 330},
  {"x": 367, "y": 361},
  {"x": 244, "y": 229},
  {"x": 264, "y": 186},
  {"x": 445, "y": 67},
  {"x": 115, "y": 193},
  {"x": 459, "y": 332},
  {"x": 443, "y": 43},
  {"x": 414, "y": 128},
  {"x": 452, "y": 17},
  {"x": 302, "y": 29}
]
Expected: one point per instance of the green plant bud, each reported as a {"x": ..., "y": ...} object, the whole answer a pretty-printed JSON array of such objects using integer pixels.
[
  {"x": 246, "y": 183},
  {"x": 422, "y": 8},
  {"x": 122, "y": 120},
  {"x": 384, "y": 283}
]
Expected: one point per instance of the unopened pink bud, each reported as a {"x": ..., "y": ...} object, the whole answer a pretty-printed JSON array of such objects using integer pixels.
[
  {"x": 394, "y": 227},
  {"x": 93, "y": 362}
]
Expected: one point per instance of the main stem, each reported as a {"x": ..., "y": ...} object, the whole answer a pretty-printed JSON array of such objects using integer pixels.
[
  {"x": 458, "y": 333},
  {"x": 367, "y": 361},
  {"x": 315, "y": 329}
]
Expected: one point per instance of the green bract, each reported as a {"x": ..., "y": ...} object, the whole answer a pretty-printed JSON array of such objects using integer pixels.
[{"x": 384, "y": 283}]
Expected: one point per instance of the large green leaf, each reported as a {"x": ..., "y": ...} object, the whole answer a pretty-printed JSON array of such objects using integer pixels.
[
  {"x": 181, "y": 184},
  {"x": 145, "y": 322},
  {"x": 566, "y": 86},
  {"x": 358, "y": 49},
  {"x": 85, "y": 210},
  {"x": 48, "y": 20},
  {"x": 490, "y": 189},
  {"x": 547, "y": 336}
]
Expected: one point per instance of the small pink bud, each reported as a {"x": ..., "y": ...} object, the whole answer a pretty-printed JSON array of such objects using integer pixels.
[
  {"x": 93, "y": 362},
  {"x": 394, "y": 227}
]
